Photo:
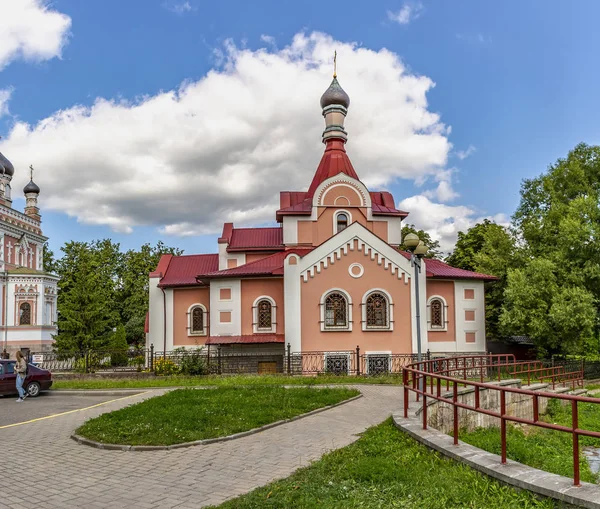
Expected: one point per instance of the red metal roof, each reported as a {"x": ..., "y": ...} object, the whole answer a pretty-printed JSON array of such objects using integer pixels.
[
  {"x": 182, "y": 270},
  {"x": 268, "y": 266},
  {"x": 162, "y": 266},
  {"x": 256, "y": 239},
  {"x": 439, "y": 269},
  {"x": 333, "y": 162},
  {"x": 251, "y": 339}
]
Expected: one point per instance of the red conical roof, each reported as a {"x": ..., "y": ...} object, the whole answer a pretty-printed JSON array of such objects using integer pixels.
[{"x": 334, "y": 161}]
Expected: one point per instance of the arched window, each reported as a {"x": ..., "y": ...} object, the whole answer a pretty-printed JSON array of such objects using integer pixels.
[
  {"x": 25, "y": 314},
  {"x": 336, "y": 311},
  {"x": 197, "y": 320},
  {"x": 377, "y": 311},
  {"x": 341, "y": 222},
  {"x": 437, "y": 314},
  {"x": 265, "y": 315},
  {"x": 264, "y": 310}
]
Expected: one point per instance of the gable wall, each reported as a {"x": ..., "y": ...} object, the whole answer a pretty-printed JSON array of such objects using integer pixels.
[{"x": 336, "y": 275}]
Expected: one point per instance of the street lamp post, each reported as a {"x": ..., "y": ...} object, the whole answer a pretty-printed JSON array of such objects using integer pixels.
[{"x": 417, "y": 250}]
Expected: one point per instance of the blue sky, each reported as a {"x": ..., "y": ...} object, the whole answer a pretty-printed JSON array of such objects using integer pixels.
[{"x": 515, "y": 88}]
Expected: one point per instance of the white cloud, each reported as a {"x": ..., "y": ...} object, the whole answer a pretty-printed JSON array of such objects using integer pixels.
[
  {"x": 268, "y": 39},
  {"x": 180, "y": 8},
  {"x": 4, "y": 98},
  {"x": 221, "y": 148},
  {"x": 407, "y": 13},
  {"x": 443, "y": 222},
  {"x": 463, "y": 154},
  {"x": 31, "y": 30}
]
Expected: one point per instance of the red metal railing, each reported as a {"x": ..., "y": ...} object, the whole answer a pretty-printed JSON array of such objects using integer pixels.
[{"x": 426, "y": 378}]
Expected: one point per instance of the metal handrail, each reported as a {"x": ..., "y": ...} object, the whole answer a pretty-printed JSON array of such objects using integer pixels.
[{"x": 414, "y": 372}]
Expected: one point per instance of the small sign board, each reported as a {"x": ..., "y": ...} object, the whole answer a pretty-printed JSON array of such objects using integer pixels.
[{"x": 37, "y": 358}]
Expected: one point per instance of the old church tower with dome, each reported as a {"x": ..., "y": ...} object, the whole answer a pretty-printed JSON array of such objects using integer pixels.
[
  {"x": 28, "y": 300},
  {"x": 329, "y": 277}
]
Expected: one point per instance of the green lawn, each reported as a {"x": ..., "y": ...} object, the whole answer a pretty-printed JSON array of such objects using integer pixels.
[
  {"x": 222, "y": 381},
  {"x": 386, "y": 469},
  {"x": 542, "y": 448},
  {"x": 185, "y": 415}
]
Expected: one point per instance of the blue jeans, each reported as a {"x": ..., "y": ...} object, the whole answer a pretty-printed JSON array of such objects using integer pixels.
[{"x": 20, "y": 380}]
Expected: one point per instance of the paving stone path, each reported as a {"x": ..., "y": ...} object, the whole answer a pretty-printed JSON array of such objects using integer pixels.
[{"x": 55, "y": 472}]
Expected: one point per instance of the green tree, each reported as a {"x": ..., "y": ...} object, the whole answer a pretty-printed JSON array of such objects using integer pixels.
[
  {"x": 134, "y": 286},
  {"x": 559, "y": 319},
  {"x": 49, "y": 261},
  {"x": 491, "y": 249},
  {"x": 85, "y": 314},
  {"x": 433, "y": 246},
  {"x": 555, "y": 297}
]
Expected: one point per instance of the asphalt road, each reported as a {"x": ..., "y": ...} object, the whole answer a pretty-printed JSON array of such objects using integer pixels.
[{"x": 47, "y": 403}]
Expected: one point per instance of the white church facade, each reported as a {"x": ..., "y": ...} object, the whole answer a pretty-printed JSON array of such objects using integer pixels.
[{"x": 28, "y": 300}]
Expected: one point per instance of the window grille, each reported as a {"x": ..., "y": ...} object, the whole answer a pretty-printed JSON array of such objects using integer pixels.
[
  {"x": 25, "y": 314},
  {"x": 437, "y": 314},
  {"x": 265, "y": 315},
  {"x": 197, "y": 321},
  {"x": 378, "y": 364},
  {"x": 336, "y": 310},
  {"x": 342, "y": 222},
  {"x": 337, "y": 364},
  {"x": 377, "y": 310}
]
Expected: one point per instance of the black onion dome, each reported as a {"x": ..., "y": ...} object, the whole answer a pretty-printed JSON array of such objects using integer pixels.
[
  {"x": 335, "y": 95},
  {"x": 6, "y": 166},
  {"x": 32, "y": 187}
]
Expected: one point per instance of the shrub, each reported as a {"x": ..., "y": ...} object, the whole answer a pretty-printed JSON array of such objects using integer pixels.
[
  {"x": 193, "y": 363},
  {"x": 165, "y": 367}
]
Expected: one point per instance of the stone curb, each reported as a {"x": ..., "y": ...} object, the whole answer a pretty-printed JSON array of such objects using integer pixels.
[
  {"x": 116, "y": 447},
  {"x": 512, "y": 473},
  {"x": 97, "y": 392}
]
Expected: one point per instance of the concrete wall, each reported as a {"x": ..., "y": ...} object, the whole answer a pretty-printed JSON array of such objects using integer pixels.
[{"x": 441, "y": 416}]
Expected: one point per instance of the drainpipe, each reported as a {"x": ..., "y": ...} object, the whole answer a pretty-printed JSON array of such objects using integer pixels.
[{"x": 164, "y": 322}]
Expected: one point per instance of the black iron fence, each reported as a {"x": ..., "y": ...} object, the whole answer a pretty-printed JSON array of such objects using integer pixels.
[
  {"x": 90, "y": 361},
  {"x": 278, "y": 359},
  {"x": 217, "y": 360}
]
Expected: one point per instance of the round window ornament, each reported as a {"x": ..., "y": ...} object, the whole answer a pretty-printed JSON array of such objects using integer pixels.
[{"x": 356, "y": 270}]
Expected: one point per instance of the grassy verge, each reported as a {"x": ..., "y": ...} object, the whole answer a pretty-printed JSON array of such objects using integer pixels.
[
  {"x": 185, "y": 415},
  {"x": 222, "y": 381},
  {"x": 542, "y": 448},
  {"x": 386, "y": 468}
]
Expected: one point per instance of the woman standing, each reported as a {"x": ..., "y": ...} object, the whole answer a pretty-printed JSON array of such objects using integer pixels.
[{"x": 21, "y": 370}]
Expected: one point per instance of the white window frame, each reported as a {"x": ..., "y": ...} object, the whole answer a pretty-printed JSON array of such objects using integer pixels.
[
  {"x": 204, "y": 319},
  {"x": 444, "y": 314},
  {"x": 386, "y": 353},
  {"x": 325, "y": 328},
  {"x": 255, "y": 327},
  {"x": 337, "y": 354},
  {"x": 337, "y": 213},
  {"x": 390, "y": 313}
]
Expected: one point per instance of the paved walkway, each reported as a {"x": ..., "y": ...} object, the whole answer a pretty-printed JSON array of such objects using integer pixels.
[{"x": 55, "y": 472}]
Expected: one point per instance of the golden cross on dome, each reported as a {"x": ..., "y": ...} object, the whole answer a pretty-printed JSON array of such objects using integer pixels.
[
  {"x": 31, "y": 172},
  {"x": 335, "y": 64}
]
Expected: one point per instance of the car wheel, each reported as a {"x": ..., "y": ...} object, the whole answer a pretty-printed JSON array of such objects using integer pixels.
[{"x": 33, "y": 389}]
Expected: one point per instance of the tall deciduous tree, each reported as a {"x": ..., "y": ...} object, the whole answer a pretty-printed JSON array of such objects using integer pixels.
[
  {"x": 491, "y": 249},
  {"x": 134, "y": 286},
  {"x": 555, "y": 297}
]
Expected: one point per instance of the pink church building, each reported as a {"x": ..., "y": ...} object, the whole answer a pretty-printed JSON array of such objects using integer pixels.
[{"x": 329, "y": 277}]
